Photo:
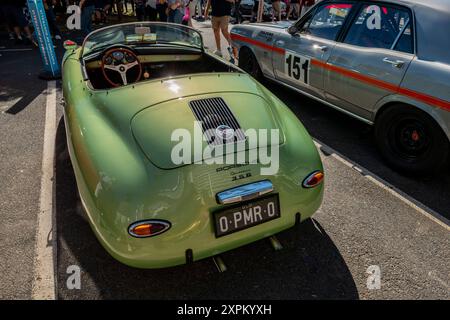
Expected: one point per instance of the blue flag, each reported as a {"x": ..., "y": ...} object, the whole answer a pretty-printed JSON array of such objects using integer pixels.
[{"x": 42, "y": 31}]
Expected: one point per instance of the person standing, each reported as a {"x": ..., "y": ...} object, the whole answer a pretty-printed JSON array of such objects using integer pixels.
[
  {"x": 51, "y": 18},
  {"x": 294, "y": 6},
  {"x": 176, "y": 11},
  {"x": 119, "y": 7},
  {"x": 161, "y": 7},
  {"x": 150, "y": 10},
  {"x": 192, "y": 6},
  {"x": 220, "y": 12},
  {"x": 87, "y": 10},
  {"x": 276, "y": 9},
  {"x": 237, "y": 12},
  {"x": 140, "y": 9},
  {"x": 187, "y": 12},
  {"x": 15, "y": 20}
]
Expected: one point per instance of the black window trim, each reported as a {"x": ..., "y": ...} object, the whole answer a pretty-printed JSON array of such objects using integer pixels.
[
  {"x": 357, "y": 9},
  {"x": 349, "y": 17}
]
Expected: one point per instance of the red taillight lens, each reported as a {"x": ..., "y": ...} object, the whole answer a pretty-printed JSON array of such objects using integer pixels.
[
  {"x": 149, "y": 228},
  {"x": 313, "y": 180}
]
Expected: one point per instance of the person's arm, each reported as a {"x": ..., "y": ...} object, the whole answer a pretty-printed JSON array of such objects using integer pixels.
[{"x": 82, "y": 4}]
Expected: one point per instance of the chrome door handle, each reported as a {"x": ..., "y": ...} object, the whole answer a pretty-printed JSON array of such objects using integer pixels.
[
  {"x": 321, "y": 48},
  {"x": 395, "y": 63}
]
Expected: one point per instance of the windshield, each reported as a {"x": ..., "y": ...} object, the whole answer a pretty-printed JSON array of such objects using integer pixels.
[{"x": 147, "y": 33}]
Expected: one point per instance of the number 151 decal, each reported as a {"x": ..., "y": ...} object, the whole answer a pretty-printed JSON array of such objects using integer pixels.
[{"x": 297, "y": 67}]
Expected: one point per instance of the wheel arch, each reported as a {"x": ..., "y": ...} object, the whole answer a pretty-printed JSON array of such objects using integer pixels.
[
  {"x": 441, "y": 117},
  {"x": 246, "y": 48}
]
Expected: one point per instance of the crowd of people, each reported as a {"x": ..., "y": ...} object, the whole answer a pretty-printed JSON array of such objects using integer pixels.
[{"x": 15, "y": 16}]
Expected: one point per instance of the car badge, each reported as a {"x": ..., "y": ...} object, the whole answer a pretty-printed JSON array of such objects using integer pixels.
[{"x": 224, "y": 132}]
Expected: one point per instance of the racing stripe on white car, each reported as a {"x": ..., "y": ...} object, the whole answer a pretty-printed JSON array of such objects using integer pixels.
[{"x": 422, "y": 97}]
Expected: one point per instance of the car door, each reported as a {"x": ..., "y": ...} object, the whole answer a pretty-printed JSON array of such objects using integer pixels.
[
  {"x": 313, "y": 43},
  {"x": 372, "y": 58}
]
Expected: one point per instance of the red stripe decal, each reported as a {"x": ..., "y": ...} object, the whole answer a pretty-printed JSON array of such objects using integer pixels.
[
  {"x": 261, "y": 44},
  {"x": 385, "y": 85},
  {"x": 425, "y": 98}
]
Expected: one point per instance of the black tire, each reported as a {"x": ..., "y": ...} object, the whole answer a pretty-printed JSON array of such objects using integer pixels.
[
  {"x": 411, "y": 141},
  {"x": 248, "y": 63}
]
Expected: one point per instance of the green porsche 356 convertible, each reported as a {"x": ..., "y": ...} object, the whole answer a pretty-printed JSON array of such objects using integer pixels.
[{"x": 179, "y": 155}]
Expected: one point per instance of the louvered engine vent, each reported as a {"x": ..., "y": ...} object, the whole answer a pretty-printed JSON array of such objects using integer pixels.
[{"x": 219, "y": 125}]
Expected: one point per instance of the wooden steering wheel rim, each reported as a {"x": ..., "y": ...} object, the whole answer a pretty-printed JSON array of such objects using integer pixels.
[{"x": 124, "y": 50}]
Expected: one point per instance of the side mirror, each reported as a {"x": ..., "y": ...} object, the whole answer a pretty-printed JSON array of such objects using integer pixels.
[
  {"x": 70, "y": 45},
  {"x": 292, "y": 30}
]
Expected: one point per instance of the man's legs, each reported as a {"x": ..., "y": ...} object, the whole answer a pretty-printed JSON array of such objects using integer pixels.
[
  {"x": 192, "y": 6},
  {"x": 153, "y": 14},
  {"x": 20, "y": 23},
  {"x": 215, "y": 24},
  {"x": 224, "y": 27},
  {"x": 217, "y": 38},
  {"x": 140, "y": 12}
]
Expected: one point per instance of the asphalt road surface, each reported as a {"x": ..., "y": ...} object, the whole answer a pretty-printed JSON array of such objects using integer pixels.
[{"x": 363, "y": 223}]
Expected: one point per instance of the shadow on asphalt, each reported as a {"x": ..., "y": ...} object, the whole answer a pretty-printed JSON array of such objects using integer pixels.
[
  {"x": 354, "y": 139},
  {"x": 309, "y": 267},
  {"x": 19, "y": 76},
  {"x": 23, "y": 101}
]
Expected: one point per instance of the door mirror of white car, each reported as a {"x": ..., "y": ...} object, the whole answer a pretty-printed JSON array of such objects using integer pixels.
[{"x": 293, "y": 30}]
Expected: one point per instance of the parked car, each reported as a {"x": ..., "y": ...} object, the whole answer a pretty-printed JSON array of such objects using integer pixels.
[
  {"x": 129, "y": 91},
  {"x": 386, "y": 63}
]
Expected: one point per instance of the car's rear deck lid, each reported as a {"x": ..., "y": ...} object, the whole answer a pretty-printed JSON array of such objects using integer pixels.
[{"x": 186, "y": 127}]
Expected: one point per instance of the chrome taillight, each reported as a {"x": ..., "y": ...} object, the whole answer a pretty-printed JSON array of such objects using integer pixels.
[
  {"x": 313, "y": 180},
  {"x": 148, "y": 228}
]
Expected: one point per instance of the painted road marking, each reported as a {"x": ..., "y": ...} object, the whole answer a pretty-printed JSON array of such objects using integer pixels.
[
  {"x": 380, "y": 182},
  {"x": 44, "y": 264},
  {"x": 16, "y": 50}
]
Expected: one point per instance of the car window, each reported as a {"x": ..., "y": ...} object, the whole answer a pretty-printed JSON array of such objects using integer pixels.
[
  {"x": 406, "y": 42},
  {"x": 381, "y": 27},
  {"x": 327, "y": 21}
]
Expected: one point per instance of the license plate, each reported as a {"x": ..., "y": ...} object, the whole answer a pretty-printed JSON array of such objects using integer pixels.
[{"x": 246, "y": 215}]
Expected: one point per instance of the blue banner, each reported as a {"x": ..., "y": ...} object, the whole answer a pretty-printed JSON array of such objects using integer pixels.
[{"x": 44, "y": 38}]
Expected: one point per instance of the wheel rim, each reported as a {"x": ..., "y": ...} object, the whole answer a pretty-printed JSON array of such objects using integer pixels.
[{"x": 409, "y": 138}]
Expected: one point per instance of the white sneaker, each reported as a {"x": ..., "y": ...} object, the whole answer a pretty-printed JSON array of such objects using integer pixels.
[
  {"x": 218, "y": 53},
  {"x": 58, "y": 37}
]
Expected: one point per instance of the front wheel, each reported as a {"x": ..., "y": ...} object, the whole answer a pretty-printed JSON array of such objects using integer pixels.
[{"x": 411, "y": 141}]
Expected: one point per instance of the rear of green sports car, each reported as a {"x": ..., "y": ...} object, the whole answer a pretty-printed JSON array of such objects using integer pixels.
[{"x": 151, "y": 211}]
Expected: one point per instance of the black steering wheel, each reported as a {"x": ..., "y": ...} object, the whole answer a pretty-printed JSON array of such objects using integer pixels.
[{"x": 120, "y": 60}]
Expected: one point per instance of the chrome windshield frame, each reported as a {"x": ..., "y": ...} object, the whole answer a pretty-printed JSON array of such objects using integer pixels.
[{"x": 137, "y": 23}]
